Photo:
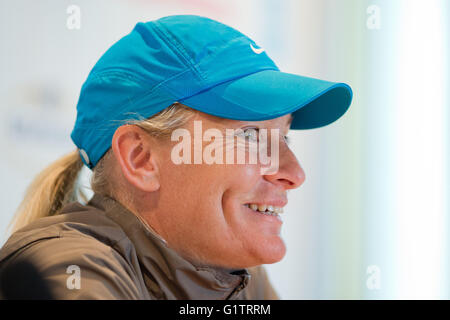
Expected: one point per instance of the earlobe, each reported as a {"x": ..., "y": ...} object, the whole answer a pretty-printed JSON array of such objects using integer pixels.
[{"x": 136, "y": 158}]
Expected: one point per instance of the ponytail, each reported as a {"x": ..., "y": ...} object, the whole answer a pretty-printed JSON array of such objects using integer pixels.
[{"x": 54, "y": 187}]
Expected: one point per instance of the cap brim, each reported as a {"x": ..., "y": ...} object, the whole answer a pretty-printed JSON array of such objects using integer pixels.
[{"x": 271, "y": 94}]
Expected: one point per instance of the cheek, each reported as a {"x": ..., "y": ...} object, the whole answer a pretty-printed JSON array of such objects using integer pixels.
[
  {"x": 250, "y": 172},
  {"x": 241, "y": 183},
  {"x": 207, "y": 196},
  {"x": 246, "y": 225},
  {"x": 194, "y": 193},
  {"x": 243, "y": 178}
]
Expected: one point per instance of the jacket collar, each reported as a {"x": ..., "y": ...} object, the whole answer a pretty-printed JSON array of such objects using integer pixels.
[{"x": 168, "y": 275}]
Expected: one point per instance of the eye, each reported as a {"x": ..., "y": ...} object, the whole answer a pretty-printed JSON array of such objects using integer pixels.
[
  {"x": 287, "y": 139},
  {"x": 250, "y": 134}
]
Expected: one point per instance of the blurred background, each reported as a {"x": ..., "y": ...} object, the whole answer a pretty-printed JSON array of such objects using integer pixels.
[{"x": 372, "y": 219}]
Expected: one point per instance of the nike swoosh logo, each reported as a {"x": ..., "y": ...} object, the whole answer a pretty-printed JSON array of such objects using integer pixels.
[{"x": 256, "y": 50}]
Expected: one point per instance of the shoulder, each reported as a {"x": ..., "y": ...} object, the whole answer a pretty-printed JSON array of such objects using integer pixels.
[
  {"x": 79, "y": 254},
  {"x": 87, "y": 223}
]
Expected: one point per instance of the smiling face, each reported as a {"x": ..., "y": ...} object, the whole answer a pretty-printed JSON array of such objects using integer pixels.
[{"x": 204, "y": 211}]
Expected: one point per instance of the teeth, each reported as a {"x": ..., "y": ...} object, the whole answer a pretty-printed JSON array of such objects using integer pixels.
[
  {"x": 266, "y": 209},
  {"x": 278, "y": 210},
  {"x": 262, "y": 208}
]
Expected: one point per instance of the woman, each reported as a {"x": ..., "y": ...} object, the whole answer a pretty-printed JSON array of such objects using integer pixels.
[{"x": 183, "y": 123}]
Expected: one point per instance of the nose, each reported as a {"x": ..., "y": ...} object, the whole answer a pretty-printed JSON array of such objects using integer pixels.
[{"x": 290, "y": 174}]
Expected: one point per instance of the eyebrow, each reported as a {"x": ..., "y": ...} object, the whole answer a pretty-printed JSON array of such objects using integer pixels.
[{"x": 226, "y": 122}]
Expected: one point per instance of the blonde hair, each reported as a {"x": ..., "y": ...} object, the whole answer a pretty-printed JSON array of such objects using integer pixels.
[{"x": 57, "y": 184}]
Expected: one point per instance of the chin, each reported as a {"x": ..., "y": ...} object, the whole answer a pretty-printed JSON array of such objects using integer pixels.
[
  {"x": 269, "y": 252},
  {"x": 276, "y": 253}
]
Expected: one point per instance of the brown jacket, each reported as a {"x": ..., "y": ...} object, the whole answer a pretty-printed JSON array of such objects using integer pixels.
[{"x": 103, "y": 251}]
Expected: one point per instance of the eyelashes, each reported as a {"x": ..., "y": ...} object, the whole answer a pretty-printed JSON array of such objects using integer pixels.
[
  {"x": 287, "y": 139},
  {"x": 252, "y": 134}
]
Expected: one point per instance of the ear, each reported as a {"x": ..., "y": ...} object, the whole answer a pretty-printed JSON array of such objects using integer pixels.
[{"x": 136, "y": 157}]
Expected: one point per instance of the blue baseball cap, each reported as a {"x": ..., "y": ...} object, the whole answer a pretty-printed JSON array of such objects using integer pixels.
[{"x": 203, "y": 64}]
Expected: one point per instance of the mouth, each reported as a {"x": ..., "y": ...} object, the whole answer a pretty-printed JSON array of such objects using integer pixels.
[{"x": 265, "y": 210}]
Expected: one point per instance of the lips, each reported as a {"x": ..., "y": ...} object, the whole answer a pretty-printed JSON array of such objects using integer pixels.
[
  {"x": 279, "y": 202},
  {"x": 270, "y": 207}
]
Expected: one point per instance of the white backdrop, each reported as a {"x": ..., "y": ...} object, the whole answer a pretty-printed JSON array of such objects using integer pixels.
[{"x": 356, "y": 208}]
